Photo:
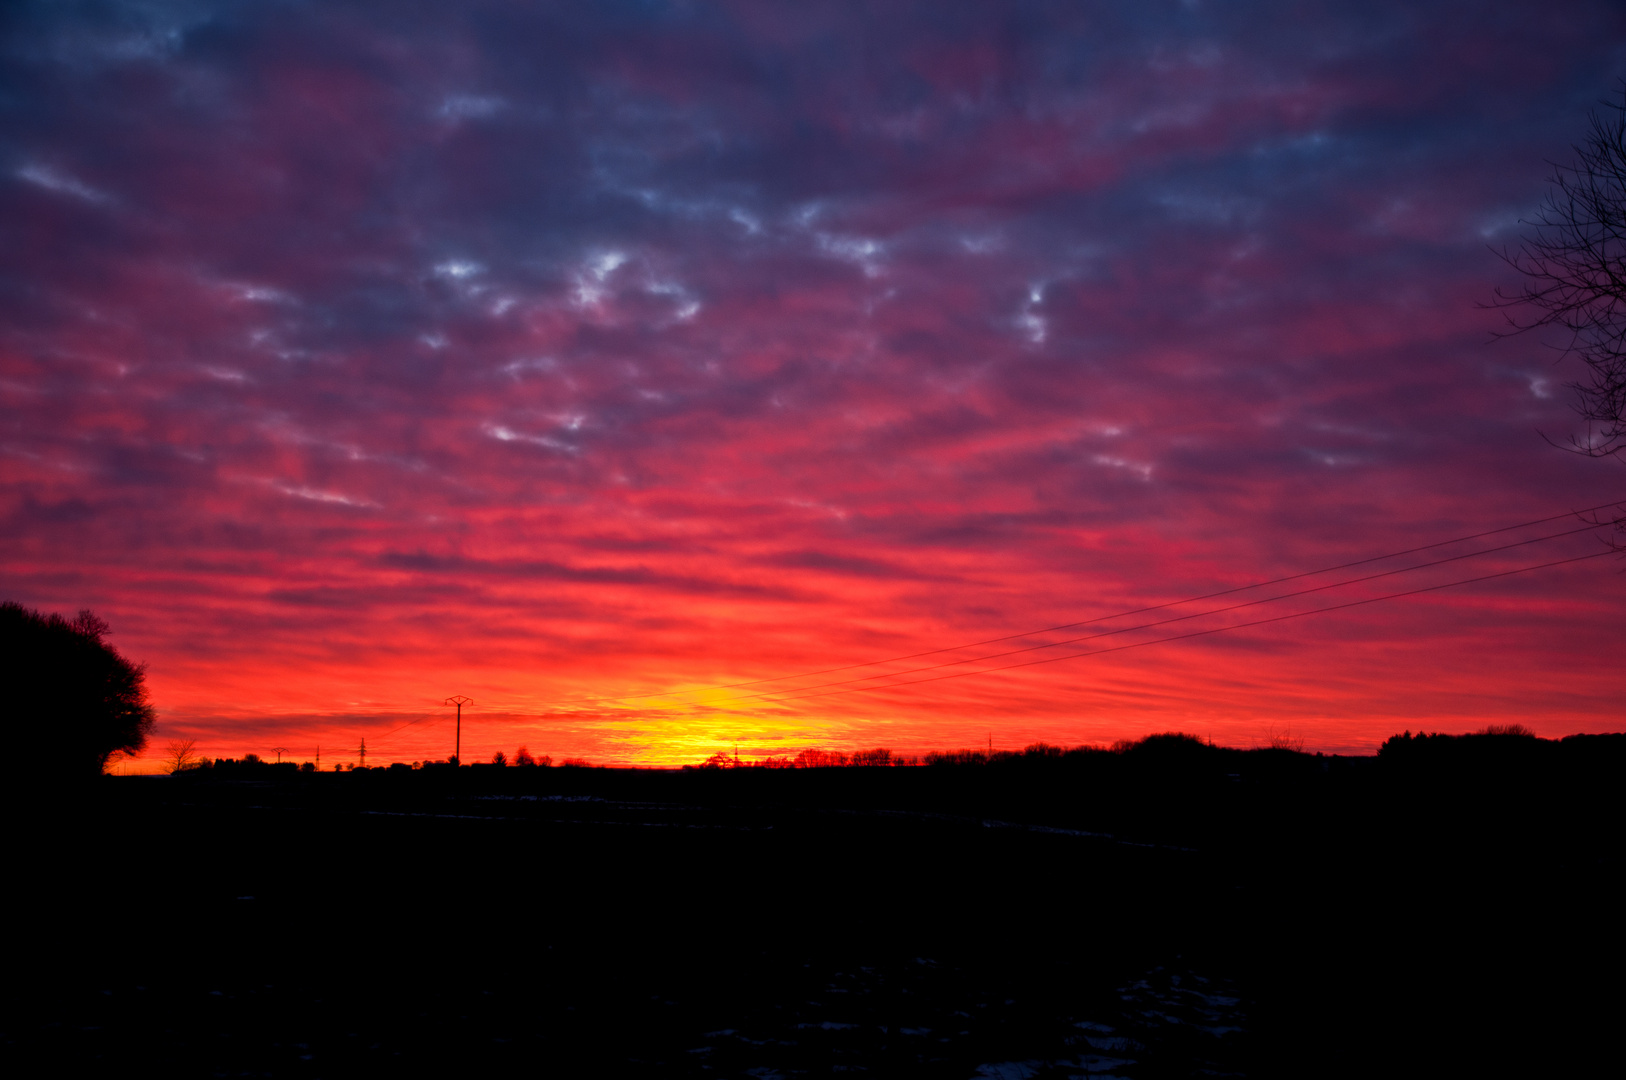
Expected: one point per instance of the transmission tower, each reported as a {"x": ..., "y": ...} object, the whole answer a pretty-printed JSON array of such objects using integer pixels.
[
  {"x": 279, "y": 751},
  {"x": 459, "y": 701}
]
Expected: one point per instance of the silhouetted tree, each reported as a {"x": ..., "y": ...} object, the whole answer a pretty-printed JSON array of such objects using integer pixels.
[
  {"x": 72, "y": 691},
  {"x": 499, "y": 758},
  {"x": 522, "y": 756},
  {"x": 1574, "y": 264},
  {"x": 956, "y": 757},
  {"x": 180, "y": 756},
  {"x": 813, "y": 758}
]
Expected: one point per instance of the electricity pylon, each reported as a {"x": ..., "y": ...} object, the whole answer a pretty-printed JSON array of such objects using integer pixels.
[{"x": 459, "y": 701}]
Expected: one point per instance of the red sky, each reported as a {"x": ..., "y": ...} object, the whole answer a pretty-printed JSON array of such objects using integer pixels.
[{"x": 357, "y": 355}]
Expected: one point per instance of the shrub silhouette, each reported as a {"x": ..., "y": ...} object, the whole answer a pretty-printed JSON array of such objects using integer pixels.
[
  {"x": 1285, "y": 740},
  {"x": 1174, "y": 750},
  {"x": 83, "y": 699}
]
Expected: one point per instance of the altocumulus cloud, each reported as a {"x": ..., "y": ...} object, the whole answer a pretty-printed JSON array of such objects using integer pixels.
[{"x": 556, "y": 352}]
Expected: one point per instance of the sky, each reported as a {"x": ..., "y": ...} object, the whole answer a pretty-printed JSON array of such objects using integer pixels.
[{"x": 590, "y": 359}]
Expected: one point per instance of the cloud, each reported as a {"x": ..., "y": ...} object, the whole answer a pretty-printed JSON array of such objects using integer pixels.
[
  {"x": 52, "y": 180},
  {"x": 561, "y": 352}
]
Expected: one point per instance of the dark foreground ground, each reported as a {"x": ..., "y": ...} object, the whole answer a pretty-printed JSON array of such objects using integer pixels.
[{"x": 1171, "y": 911}]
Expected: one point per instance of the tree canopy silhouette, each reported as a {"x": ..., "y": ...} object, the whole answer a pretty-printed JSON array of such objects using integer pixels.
[
  {"x": 80, "y": 700},
  {"x": 1574, "y": 265}
]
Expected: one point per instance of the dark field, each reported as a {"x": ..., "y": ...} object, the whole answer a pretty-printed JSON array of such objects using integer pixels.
[{"x": 1170, "y": 911}]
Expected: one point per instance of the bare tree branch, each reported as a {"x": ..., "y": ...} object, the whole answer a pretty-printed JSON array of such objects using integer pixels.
[{"x": 1574, "y": 264}]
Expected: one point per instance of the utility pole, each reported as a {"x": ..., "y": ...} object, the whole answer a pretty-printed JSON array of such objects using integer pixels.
[{"x": 459, "y": 701}]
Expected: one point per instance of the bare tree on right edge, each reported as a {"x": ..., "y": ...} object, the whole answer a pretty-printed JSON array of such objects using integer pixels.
[{"x": 1574, "y": 265}]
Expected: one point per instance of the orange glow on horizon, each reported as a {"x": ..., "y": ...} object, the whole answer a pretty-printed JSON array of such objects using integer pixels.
[{"x": 1341, "y": 682}]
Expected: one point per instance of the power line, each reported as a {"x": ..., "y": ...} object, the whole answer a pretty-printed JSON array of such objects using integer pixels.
[
  {"x": 1205, "y": 633},
  {"x": 1133, "y": 611},
  {"x": 409, "y": 723},
  {"x": 795, "y": 693},
  {"x": 1178, "y": 618},
  {"x": 376, "y": 738}
]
